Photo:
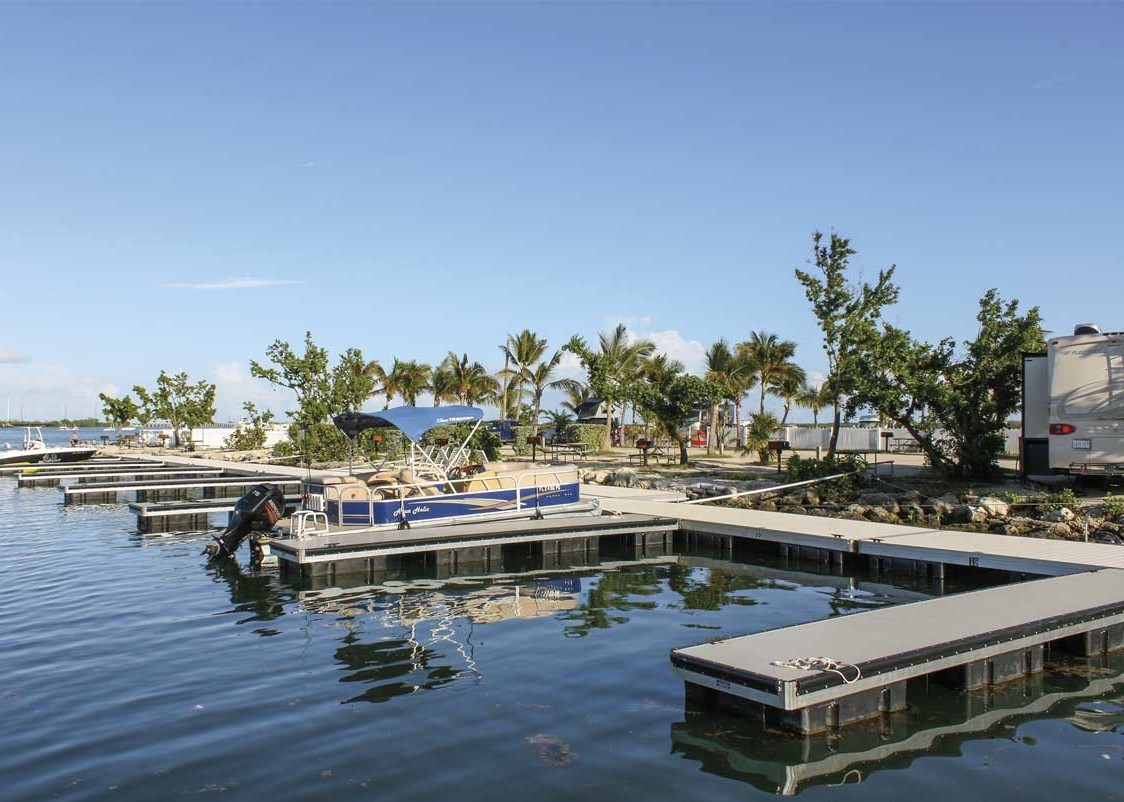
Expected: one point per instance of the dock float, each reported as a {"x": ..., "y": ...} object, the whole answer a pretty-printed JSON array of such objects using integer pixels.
[
  {"x": 8, "y": 470},
  {"x": 42, "y": 478},
  {"x": 166, "y": 516},
  {"x": 790, "y": 765},
  {"x": 107, "y": 491},
  {"x": 351, "y": 552},
  {"x": 825, "y": 674}
]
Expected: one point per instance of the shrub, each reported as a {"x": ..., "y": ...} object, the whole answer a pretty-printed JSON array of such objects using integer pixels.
[
  {"x": 1113, "y": 507},
  {"x": 1063, "y": 498}
]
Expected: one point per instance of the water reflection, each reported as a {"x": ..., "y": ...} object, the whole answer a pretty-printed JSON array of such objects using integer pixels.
[
  {"x": 939, "y": 721},
  {"x": 253, "y": 592}
]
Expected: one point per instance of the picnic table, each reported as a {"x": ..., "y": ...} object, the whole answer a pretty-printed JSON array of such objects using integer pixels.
[
  {"x": 646, "y": 450},
  {"x": 560, "y": 452}
]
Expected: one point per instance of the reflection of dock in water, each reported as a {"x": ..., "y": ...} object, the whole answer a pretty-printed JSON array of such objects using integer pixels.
[
  {"x": 786, "y": 764},
  {"x": 407, "y": 635}
]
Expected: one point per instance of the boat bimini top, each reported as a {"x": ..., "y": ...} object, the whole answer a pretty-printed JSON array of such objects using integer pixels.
[{"x": 414, "y": 422}]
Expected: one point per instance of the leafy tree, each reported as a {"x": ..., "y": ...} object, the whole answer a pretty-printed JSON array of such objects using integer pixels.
[
  {"x": 670, "y": 400},
  {"x": 968, "y": 396},
  {"x": 179, "y": 402},
  {"x": 577, "y": 394},
  {"x": 306, "y": 375},
  {"x": 847, "y": 315},
  {"x": 612, "y": 370},
  {"x": 245, "y": 438},
  {"x": 119, "y": 411},
  {"x": 353, "y": 380}
]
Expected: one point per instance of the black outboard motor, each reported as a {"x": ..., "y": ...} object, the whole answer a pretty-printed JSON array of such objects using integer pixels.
[{"x": 257, "y": 511}]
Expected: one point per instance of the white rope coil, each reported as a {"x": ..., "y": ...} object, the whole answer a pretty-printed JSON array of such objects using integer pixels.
[{"x": 822, "y": 664}]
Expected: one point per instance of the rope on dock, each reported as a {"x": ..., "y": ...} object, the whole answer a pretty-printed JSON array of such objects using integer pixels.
[{"x": 822, "y": 664}]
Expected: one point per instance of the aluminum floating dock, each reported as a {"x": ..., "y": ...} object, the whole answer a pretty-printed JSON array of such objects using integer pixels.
[
  {"x": 979, "y": 638},
  {"x": 341, "y": 551},
  {"x": 43, "y": 478},
  {"x": 109, "y": 490},
  {"x": 167, "y": 516}
]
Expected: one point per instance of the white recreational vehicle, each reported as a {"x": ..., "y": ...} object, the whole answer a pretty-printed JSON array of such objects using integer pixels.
[{"x": 1073, "y": 404}]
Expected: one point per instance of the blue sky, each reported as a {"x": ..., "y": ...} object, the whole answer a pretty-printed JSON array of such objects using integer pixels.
[{"x": 181, "y": 184}]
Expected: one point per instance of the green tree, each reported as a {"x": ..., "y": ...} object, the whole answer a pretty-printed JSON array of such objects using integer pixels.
[
  {"x": 612, "y": 370},
  {"x": 307, "y": 375},
  {"x": 670, "y": 401},
  {"x": 955, "y": 405},
  {"x": 470, "y": 383},
  {"x": 814, "y": 398},
  {"x": 847, "y": 315},
  {"x": 411, "y": 378},
  {"x": 179, "y": 402},
  {"x": 788, "y": 386},
  {"x": 539, "y": 380},
  {"x": 443, "y": 385},
  {"x": 734, "y": 372},
  {"x": 119, "y": 411},
  {"x": 770, "y": 358},
  {"x": 246, "y": 438},
  {"x": 353, "y": 380},
  {"x": 521, "y": 352}
]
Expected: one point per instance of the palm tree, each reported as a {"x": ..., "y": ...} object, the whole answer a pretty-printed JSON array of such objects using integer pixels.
[
  {"x": 577, "y": 394},
  {"x": 815, "y": 399},
  {"x": 386, "y": 381},
  {"x": 622, "y": 362},
  {"x": 538, "y": 378},
  {"x": 788, "y": 385},
  {"x": 520, "y": 353},
  {"x": 471, "y": 383},
  {"x": 443, "y": 385},
  {"x": 770, "y": 358},
  {"x": 720, "y": 364},
  {"x": 411, "y": 379}
]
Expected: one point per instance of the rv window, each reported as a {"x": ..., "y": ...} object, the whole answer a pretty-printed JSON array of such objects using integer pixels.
[{"x": 1083, "y": 380}]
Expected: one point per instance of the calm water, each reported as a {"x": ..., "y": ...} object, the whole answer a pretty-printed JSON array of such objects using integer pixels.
[{"x": 133, "y": 671}]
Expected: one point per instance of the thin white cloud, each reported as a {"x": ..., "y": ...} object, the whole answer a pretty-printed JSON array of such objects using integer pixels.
[
  {"x": 1049, "y": 83},
  {"x": 233, "y": 284},
  {"x": 11, "y": 357}
]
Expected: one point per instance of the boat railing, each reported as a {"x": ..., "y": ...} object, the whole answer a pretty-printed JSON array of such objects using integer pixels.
[{"x": 404, "y": 492}]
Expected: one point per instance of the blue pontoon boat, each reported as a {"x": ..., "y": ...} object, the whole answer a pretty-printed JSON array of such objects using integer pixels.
[{"x": 438, "y": 484}]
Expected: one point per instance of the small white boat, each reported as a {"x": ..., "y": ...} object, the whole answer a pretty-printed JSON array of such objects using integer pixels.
[{"x": 33, "y": 450}]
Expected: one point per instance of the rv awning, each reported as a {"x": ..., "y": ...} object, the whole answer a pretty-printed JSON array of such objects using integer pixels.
[{"x": 411, "y": 421}]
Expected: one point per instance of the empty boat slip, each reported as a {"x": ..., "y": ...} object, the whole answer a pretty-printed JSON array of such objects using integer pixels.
[{"x": 824, "y": 674}]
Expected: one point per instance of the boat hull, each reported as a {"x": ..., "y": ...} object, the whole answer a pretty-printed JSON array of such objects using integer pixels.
[{"x": 46, "y": 456}]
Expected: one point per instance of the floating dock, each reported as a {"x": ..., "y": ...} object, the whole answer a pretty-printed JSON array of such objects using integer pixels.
[
  {"x": 747, "y": 752},
  {"x": 340, "y": 552},
  {"x": 106, "y": 492},
  {"x": 175, "y": 515},
  {"x": 47, "y": 479},
  {"x": 980, "y": 638}
]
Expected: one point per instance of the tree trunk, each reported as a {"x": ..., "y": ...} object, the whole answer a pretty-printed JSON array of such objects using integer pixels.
[
  {"x": 784, "y": 418},
  {"x": 935, "y": 457},
  {"x": 682, "y": 443},
  {"x": 834, "y": 441},
  {"x": 713, "y": 429},
  {"x": 738, "y": 423},
  {"x": 607, "y": 439}
]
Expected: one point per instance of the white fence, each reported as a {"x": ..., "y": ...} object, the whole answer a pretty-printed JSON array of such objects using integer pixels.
[{"x": 855, "y": 438}]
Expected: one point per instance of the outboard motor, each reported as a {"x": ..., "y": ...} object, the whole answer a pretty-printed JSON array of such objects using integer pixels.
[{"x": 257, "y": 511}]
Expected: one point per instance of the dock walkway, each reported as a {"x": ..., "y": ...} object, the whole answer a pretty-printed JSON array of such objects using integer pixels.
[{"x": 991, "y": 635}]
